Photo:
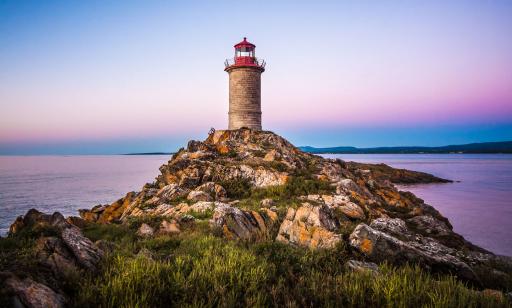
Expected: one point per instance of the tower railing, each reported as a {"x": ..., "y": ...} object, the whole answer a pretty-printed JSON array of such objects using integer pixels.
[{"x": 256, "y": 62}]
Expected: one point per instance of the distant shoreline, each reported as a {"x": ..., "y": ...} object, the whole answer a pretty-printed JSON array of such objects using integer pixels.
[
  {"x": 150, "y": 153},
  {"x": 504, "y": 147}
]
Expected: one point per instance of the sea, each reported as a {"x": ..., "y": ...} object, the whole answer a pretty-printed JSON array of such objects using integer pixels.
[{"x": 478, "y": 203}]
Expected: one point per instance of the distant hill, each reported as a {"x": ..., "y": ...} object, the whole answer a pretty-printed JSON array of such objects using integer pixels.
[{"x": 471, "y": 148}]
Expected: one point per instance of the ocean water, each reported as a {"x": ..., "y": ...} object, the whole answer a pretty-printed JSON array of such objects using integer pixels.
[{"x": 479, "y": 204}]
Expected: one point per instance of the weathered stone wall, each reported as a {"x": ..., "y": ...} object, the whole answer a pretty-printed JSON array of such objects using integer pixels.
[{"x": 245, "y": 98}]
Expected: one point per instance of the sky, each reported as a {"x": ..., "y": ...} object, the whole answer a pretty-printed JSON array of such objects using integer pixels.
[{"x": 107, "y": 77}]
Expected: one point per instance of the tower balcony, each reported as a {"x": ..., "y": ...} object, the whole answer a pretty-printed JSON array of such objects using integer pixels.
[{"x": 244, "y": 62}]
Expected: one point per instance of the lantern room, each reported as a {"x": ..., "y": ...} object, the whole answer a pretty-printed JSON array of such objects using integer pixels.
[
  {"x": 245, "y": 55},
  {"x": 244, "y": 52}
]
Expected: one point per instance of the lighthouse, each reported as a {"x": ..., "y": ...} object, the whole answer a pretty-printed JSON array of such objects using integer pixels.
[{"x": 245, "y": 87}]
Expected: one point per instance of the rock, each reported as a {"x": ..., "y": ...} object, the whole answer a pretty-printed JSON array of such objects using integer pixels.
[
  {"x": 109, "y": 213},
  {"x": 145, "y": 231},
  {"x": 179, "y": 210},
  {"x": 362, "y": 267},
  {"x": 240, "y": 224},
  {"x": 393, "y": 226},
  {"x": 267, "y": 203},
  {"x": 352, "y": 210},
  {"x": 429, "y": 225},
  {"x": 171, "y": 192},
  {"x": 86, "y": 253},
  {"x": 52, "y": 252},
  {"x": 509, "y": 296},
  {"x": 216, "y": 191},
  {"x": 342, "y": 203},
  {"x": 271, "y": 155},
  {"x": 77, "y": 221},
  {"x": 379, "y": 246},
  {"x": 498, "y": 295},
  {"x": 169, "y": 227},
  {"x": 34, "y": 294},
  {"x": 34, "y": 219},
  {"x": 197, "y": 195},
  {"x": 17, "y": 225},
  {"x": 310, "y": 226}
]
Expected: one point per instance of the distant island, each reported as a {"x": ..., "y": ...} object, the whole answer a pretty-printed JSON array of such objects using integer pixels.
[
  {"x": 470, "y": 148},
  {"x": 151, "y": 153}
]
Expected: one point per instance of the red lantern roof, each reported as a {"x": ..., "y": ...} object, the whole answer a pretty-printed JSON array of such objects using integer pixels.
[{"x": 244, "y": 43}]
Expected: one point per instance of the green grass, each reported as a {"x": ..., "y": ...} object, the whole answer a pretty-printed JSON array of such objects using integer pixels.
[
  {"x": 283, "y": 195},
  {"x": 198, "y": 268},
  {"x": 210, "y": 271},
  {"x": 207, "y": 214}
]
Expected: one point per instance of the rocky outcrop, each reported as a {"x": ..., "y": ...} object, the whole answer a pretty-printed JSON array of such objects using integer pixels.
[
  {"x": 324, "y": 200},
  {"x": 60, "y": 248},
  {"x": 388, "y": 239},
  {"x": 310, "y": 226},
  {"x": 383, "y": 172}
]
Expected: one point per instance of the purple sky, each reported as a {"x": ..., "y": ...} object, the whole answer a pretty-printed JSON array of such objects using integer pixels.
[{"x": 97, "y": 77}]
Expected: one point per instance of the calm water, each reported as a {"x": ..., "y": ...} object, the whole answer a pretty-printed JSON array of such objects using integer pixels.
[{"x": 479, "y": 206}]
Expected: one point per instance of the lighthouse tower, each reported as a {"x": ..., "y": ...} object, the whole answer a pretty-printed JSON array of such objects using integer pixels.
[{"x": 245, "y": 87}]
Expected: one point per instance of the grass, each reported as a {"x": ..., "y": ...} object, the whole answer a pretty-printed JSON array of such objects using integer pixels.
[
  {"x": 205, "y": 270},
  {"x": 283, "y": 195},
  {"x": 198, "y": 268}
]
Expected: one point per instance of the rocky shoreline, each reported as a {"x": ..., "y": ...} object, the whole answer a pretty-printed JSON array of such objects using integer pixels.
[{"x": 253, "y": 187}]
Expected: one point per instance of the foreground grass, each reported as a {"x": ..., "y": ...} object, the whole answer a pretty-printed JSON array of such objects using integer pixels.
[{"x": 200, "y": 269}]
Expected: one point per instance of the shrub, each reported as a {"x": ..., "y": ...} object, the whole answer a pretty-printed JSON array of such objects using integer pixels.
[{"x": 237, "y": 188}]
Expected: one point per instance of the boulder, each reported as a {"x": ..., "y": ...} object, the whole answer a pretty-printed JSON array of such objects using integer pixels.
[
  {"x": 34, "y": 219},
  {"x": 216, "y": 191},
  {"x": 197, "y": 195},
  {"x": 171, "y": 192},
  {"x": 310, "y": 226},
  {"x": 33, "y": 294},
  {"x": 145, "y": 230},
  {"x": 85, "y": 251},
  {"x": 268, "y": 203},
  {"x": 109, "y": 213},
  {"x": 77, "y": 221},
  {"x": 379, "y": 246},
  {"x": 167, "y": 227},
  {"x": 53, "y": 253},
  {"x": 240, "y": 224}
]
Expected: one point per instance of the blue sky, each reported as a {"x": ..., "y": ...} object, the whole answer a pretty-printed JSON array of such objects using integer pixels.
[{"x": 93, "y": 77}]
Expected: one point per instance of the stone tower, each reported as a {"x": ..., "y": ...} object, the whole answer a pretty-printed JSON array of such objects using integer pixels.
[{"x": 245, "y": 87}]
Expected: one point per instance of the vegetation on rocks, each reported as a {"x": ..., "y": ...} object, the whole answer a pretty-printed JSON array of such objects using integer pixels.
[{"x": 246, "y": 219}]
